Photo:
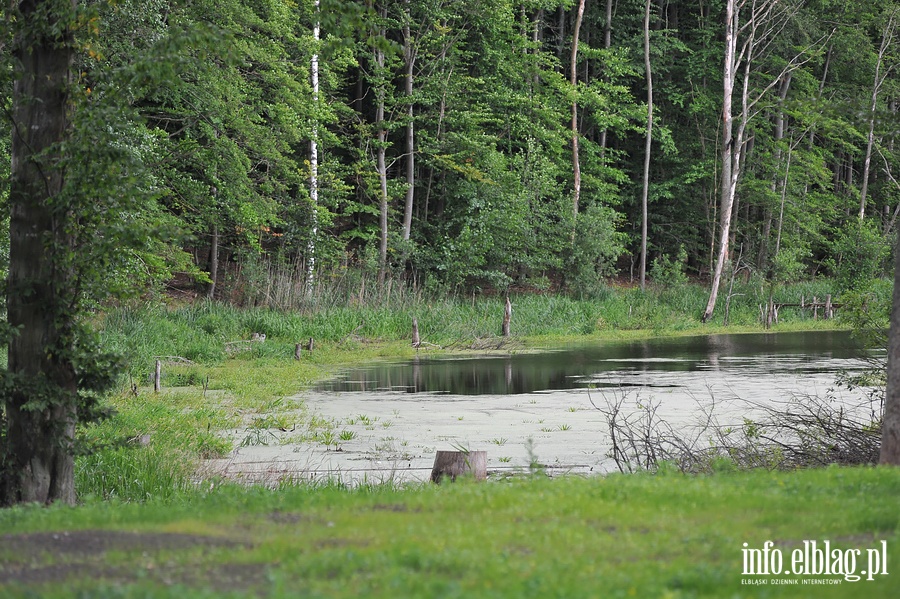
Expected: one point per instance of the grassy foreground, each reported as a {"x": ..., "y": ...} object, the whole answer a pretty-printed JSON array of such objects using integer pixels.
[{"x": 619, "y": 536}]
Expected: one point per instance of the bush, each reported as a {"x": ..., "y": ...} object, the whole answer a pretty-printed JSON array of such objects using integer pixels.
[{"x": 667, "y": 272}]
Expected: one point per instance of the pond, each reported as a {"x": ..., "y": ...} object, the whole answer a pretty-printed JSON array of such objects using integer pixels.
[
  {"x": 384, "y": 422},
  {"x": 613, "y": 364}
]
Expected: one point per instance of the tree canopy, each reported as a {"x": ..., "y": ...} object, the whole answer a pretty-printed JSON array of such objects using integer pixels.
[{"x": 444, "y": 135}]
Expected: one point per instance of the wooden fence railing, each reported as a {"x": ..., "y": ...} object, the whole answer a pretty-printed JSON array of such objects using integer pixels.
[{"x": 826, "y": 308}]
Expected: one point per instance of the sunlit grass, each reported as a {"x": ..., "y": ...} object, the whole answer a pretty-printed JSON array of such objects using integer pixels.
[{"x": 644, "y": 536}]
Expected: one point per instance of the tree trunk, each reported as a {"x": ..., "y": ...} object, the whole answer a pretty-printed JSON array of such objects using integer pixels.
[
  {"x": 381, "y": 166},
  {"x": 730, "y": 67},
  {"x": 779, "y": 136},
  {"x": 787, "y": 172},
  {"x": 576, "y": 164},
  {"x": 36, "y": 453},
  {"x": 213, "y": 262},
  {"x": 410, "y": 58},
  {"x": 416, "y": 340},
  {"x": 607, "y": 42},
  {"x": 646, "y": 187},
  {"x": 890, "y": 424},
  {"x": 886, "y": 42},
  {"x": 764, "y": 15},
  {"x": 313, "y": 163},
  {"x": 507, "y": 317}
]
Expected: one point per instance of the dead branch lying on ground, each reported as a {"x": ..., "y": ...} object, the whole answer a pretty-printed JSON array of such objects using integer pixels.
[{"x": 800, "y": 432}]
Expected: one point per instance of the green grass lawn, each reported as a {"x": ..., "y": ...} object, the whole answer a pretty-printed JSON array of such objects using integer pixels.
[{"x": 619, "y": 536}]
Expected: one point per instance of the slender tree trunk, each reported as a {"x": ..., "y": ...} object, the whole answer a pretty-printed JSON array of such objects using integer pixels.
[
  {"x": 381, "y": 166},
  {"x": 576, "y": 163},
  {"x": 646, "y": 187},
  {"x": 213, "y": 262},
  {"x": 313, "y": 163},
  {"x": 561, "y": 31},
  {"x": 784, "y": 184},
  {"x": 410, "y": 59},
  {"x": 812, "y": 130},
  {"x": 36, "y": 453},
  {"x": 886, "y": 42},
  {"x": 607, "y": 43},
  {"x": 727, "y": 200},
  {"x": 890, "y": 423},
  {"x": 766, "y": 17},
  {"x": 779, "y": 136}
]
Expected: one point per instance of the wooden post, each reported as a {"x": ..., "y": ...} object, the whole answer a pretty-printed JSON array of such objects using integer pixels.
[
  {"x": 298, "y": 351},
  {"x": 459, "y": 463},
  {"x": 309, "y": 345},
  {"x": 815, "y": 304},
  {"x": 507, "y": 316},
  {"x": 157, "y": 374},
  {"x": 416, "y": 342},
  {"x": 828, "y": 309}
]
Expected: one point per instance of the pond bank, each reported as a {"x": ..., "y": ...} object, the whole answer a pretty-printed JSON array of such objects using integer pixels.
[{"x": 384, "y": 423}]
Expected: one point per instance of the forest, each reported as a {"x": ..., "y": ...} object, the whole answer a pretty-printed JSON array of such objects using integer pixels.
[
  {"x": 457, "y": 146},
  {"x": 207, "y": 207}
]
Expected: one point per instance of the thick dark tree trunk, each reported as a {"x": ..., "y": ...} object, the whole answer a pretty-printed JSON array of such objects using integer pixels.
[
  {"x": 36, "y": 458},
  {"x": 890, "y": 424}
]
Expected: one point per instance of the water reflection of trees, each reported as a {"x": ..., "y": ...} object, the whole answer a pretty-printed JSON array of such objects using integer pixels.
[{"x": 581, "y": 366}]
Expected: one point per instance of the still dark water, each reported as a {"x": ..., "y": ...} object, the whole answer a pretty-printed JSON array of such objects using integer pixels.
[{"x": 599, "y": 365}]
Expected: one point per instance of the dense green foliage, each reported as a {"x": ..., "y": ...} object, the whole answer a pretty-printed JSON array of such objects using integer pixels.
[{"x": 220, "y": 113}]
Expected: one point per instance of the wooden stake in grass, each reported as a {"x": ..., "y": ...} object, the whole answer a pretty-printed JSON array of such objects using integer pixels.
[
  {"x": 298, "y": 351},
  {"x": 156, "y": 376},
  {"x": 459, "y": 463},
  {"x": 507, "y": 316},
  {"x": 416, "y": 341}
]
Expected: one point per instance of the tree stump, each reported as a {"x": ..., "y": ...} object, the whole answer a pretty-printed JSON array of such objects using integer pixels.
[
  {"x": 507, "y": 316},
  {"x": 298, "y": 351},
  {"x": 416, "y": 341},
  {"x": 459, "y": 463}
]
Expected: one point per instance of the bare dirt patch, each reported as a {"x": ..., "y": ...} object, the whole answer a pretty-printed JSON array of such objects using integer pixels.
[{"x": 37, "y": 559}]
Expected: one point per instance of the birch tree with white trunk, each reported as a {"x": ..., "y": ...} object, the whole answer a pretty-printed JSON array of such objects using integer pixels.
[
  {"x": 746, "y": 42},
  {"x": 882, "y": 72},
  {"x": 313, "y": 161}
]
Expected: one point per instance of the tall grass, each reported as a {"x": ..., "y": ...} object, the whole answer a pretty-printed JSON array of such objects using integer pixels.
[
  {"x": 209, "y": 332},
  {"x": 133, "y": 474},
  {"x": 206, "y": 347}
]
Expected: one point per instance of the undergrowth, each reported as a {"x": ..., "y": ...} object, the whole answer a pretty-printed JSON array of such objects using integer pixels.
[{"x": 229, "y": 368}]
